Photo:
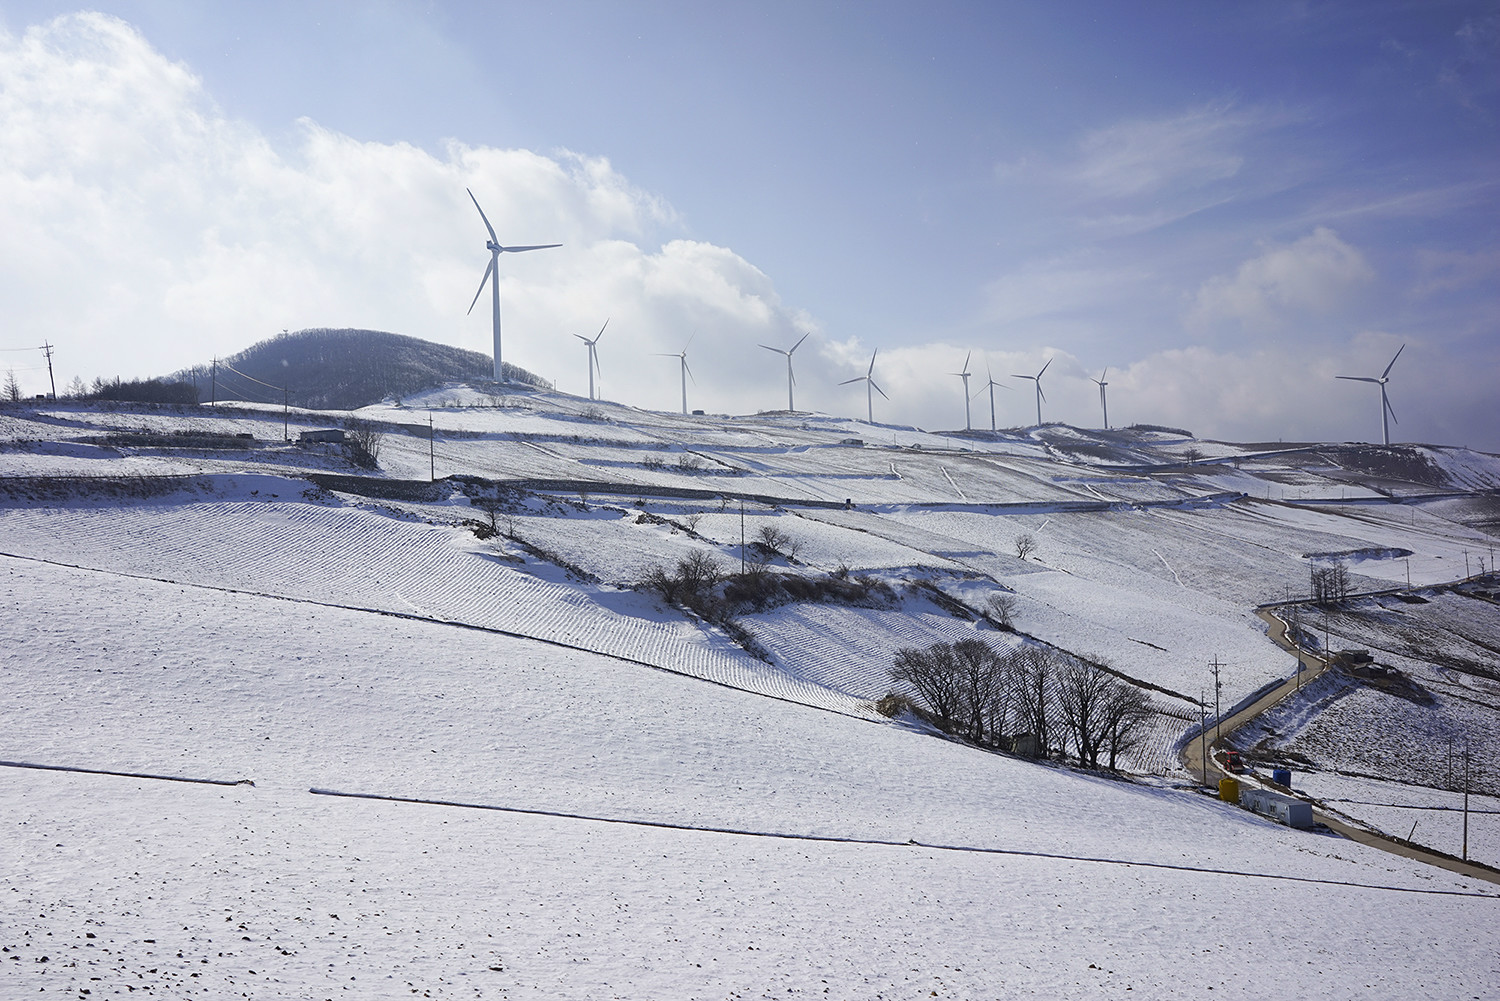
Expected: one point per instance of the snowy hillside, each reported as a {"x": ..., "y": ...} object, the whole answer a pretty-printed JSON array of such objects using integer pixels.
[{"x": 669, "y": 806}]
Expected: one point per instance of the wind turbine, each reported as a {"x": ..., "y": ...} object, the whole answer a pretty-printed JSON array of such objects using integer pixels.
[
  {"x": 869, "y": 380},
  {"x": 1040, "y": 396},
  {"x": 682, "y": 356},
  {"x": 964, "y": 375},
  {"x": 492, "y": 275},
  {"x": 1386, "y": 413},
  {"x": 1102, "y": 401},
  {"x": 991, "y": 387},
  {"x": 593, "y": 354},
  {"x": 790, "y": 381}
]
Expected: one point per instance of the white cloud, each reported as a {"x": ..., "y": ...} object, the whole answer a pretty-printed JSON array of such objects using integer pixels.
[
  {"x": 1313, "y": 275},
  {"x": 1193, "y": 149},
  {"x": 142, "y": 230}
]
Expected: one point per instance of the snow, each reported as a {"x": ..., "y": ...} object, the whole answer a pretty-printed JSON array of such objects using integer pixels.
[
  {"x": 653, "y": 812},
  {"x": 273, "y": 891}
]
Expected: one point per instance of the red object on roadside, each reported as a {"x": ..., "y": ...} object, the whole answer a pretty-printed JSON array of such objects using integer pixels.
[{"x": 1233, "y": 762}]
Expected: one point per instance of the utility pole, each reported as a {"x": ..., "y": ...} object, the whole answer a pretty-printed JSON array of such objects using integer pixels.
[
  {"x": 1215, "y": 665},
  {"x": 1297, "y": 643},
  {"x": 431, "y": 450},
  {"x": 1466, "y": 805},
  {"x": 286, "y": 415},
  {"x": 742, "y": 538},
  {"x": 1203, "y": 734},
  {"x": 47, "y": 350},
  {"x": 213, "y": 397}
]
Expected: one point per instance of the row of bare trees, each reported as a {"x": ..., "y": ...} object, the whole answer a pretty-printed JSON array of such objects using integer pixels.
[{"x": 975, "y": 691}]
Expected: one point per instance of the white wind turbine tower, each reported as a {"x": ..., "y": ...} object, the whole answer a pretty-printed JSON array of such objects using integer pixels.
[
  {"x": 790, "y": 381},
  {"x": 869, "y": 380},
  {"x": 1103, "y": 403},
  {"x": 991, "y": 385},
  {"x": 682, "y": 356},
  {"x": 964, "y": 375},
  {"x": 593, "y": 355},
  {"x": 1386, "y": 413},
  {"x": 492, "y": 275},
  {"x": 1040, "y": 396}
]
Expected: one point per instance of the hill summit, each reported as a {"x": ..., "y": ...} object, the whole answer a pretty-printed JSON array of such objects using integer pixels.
[{"x": 342, "y": 369}]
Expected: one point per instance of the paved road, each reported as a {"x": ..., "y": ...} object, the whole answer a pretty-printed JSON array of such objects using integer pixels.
[{"x": 1315, "y": 665}]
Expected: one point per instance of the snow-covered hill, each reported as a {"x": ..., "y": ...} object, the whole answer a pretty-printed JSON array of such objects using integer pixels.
[{"x": 651, "y": 810}]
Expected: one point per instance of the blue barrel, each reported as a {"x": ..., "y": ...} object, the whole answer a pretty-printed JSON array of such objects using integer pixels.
[{"x": 1282, "y": 776}]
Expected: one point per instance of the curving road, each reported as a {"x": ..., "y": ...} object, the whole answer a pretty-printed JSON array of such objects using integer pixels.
[{"x": 1192, "y": 760}]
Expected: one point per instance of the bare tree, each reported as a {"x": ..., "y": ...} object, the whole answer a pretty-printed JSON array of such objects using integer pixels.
[
  {"x": 1127, "y": 715},
  {"x": 964, "y": 685},
  {"x": 1002, "y": 608},
  {"x": 691, "y": 520},
  {"x": 1033, "y": 671},
  {"x": 1330, "y": 583},
  {"x": 12, "y": 387},
  {"x": 1083, "y": 693},
  {"x": 699, "y": 570},
  {"x": 933, "y": 675},
  {"x": 1025, "y": 545},
  {"x": 365, "y": 439}
]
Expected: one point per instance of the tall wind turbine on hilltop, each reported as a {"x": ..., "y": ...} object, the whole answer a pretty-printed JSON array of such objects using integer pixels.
[
  {"x": 1040, "y": 396},
  {"x": 991, "y": 386},
  {"x": 790, "y": 381},
  {"x": 1103, "y": 403},
  {"x": 964, "y": 375},
  {"x": 869, "y": 380},
  {"x": 492, "y": 275},
  {"x": 1386, "y": 413},
  {"x": 592, "y": 345},
  {"x": 686, "y": 374}
]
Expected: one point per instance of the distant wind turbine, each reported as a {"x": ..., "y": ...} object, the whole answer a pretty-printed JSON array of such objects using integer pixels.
[
  {"x": 1102, "y": 401},
  {"x": 869, "y": 380},
  {"x": 1040, "y": 396},
  {"x": 790, "y": 381},
  {"x": 991, "y": 385},
  {"x": 1387, "y": 414},
  {"x": 492, "y": 275},
  {"x": 964, "y": 375},
  {"x": 686, "y": 374},
  {"x": 593, "y": 354}
]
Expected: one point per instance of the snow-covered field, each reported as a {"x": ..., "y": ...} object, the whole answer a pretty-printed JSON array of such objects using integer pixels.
[{"x": 650, "y": 810}]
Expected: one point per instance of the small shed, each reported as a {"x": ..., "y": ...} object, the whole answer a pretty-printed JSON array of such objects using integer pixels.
[
  {"x": 331, "y": 435},
  {"x": 1285, "y": 809}
]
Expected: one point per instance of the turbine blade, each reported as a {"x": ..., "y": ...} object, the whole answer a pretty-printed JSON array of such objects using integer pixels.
[
  {"x": 585, "y": 340},
  {"x": 1389, "y": 409},
  {"x": 539, "y": 246},
  {"x": 1388, "y": 368},
  {"x": 1044, "y": 369},
  {"x": 777, "y": 350},
  {"x": 1102, "y": 375},
  {"x": 601, "y": 329},
  {"x": 1358, "y": 378},
  {"x": 493, "y": 238},
  {"x": 872, "y": 362},
  {"x": 689, "y": 372},
  {"x": 799, "y": 342},
  {"x": 857, "y": 378},
  {"x": 966, "y": 362},
  {"x": 877, "y": 388},
  {"x": 1040, "y": 393},
  {"x": 489, "y": 269}
]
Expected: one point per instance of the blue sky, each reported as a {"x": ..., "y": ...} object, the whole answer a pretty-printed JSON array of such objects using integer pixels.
[{"x": 1226, "y": 204}]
